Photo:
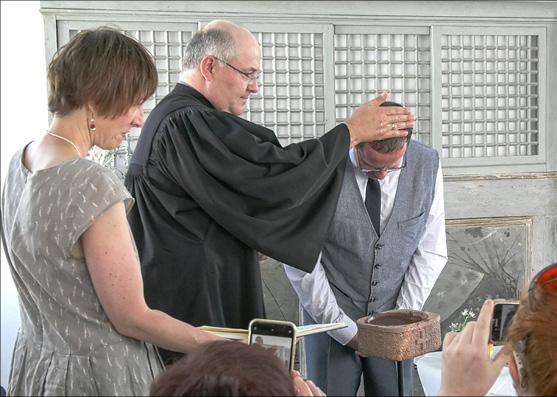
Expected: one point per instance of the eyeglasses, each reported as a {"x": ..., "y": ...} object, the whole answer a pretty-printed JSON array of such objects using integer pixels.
[
  {"x": 545, "y": 282},
  {"x": 250, "y": 77},
  {"x": 366, "y": 169}
]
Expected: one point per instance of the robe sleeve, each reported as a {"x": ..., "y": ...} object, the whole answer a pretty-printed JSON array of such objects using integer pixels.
[{"x": 278, "y": 200}]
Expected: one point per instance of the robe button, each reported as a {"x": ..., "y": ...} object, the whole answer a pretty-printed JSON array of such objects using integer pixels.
[
  {"x": 377, "y": 266},
  {"x": 374, "y": 283},
  {"x": 378, "y": 246}
]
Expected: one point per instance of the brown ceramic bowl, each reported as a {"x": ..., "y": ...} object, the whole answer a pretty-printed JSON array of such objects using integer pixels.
[{"x": 399, "y": 334}]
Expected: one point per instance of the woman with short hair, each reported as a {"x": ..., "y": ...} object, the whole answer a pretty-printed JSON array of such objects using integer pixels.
[{"x": 71, "y": 254}]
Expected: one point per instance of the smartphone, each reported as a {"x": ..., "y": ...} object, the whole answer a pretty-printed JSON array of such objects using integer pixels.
[
  {"x": 503, "y": 313},
  {"x": 277, "y": 336}
]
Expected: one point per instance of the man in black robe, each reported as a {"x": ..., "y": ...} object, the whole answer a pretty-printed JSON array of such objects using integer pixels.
[{"x": 212, "y": 188}]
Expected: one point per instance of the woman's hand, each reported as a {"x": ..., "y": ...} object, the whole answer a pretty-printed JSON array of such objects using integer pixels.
[
  {"x": 305, "y": 387},
  {"x": 467, "y": 368}
]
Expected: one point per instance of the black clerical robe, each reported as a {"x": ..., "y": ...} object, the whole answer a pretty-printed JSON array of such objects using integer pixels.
[{"x": 210, "y": 189}]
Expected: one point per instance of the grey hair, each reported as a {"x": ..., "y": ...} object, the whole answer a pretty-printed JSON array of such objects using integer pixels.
[{"x": 208, "y": 42}]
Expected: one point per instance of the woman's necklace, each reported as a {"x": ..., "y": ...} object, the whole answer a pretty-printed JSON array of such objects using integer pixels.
[{"x": 65, "y": 139}]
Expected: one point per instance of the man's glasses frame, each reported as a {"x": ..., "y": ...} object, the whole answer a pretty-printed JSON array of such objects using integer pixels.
[
  {"x": 250, "y": 77},
  {"x": 388, "y": 170}
]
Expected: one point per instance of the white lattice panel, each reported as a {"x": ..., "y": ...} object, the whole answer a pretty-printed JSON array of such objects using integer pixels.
[
  {"x": 367, "y": 63},
  {"x": 490, "y": 95},
  {"x": 477, "y": 93},
  {"x": 290, "y": 100}
]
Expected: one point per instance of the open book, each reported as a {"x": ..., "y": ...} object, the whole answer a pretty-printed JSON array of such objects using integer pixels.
[{"x": 241, "y": 334}]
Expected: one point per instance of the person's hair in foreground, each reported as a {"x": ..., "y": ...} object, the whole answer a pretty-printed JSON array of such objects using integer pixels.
[
  {"x": 225, "y": 368},
  {"x": 530, "y": 348},
  {"x": 532, "y": 337}
]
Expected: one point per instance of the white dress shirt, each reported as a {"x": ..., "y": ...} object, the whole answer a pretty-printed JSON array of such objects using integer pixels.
[{"x": 315, "y": 293}]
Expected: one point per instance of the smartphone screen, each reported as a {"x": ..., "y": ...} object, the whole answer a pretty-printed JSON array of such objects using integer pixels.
[
  {"x": 503, "y": 314},
  {"x": 276, "y": 337}
]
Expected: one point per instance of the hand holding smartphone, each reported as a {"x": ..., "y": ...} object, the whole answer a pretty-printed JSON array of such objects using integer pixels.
[
  {"x": 503, "y": 313},
  {"x": 467, "y": 369},
  {"x": 277, "y": 336}
]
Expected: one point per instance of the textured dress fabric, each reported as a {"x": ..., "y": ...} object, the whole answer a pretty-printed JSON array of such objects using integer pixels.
[{"x": 66, "y": 344}]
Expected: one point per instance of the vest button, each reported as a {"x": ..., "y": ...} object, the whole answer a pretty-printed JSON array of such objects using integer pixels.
[
  {"x": 374, "y": 283},
  {"x": 372, "y": 299},
  {"x": 378, "y": 246},
  {"x": 377, "y": 266}
]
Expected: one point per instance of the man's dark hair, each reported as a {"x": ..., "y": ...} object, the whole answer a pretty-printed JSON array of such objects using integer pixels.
[
  {"x": 391, "y": 144},
  {"x": 225, "y": 368}
]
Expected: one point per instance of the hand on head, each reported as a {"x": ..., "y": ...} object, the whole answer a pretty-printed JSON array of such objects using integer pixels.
[
  {"x": 370, "y": 122},
  {"x": 467, "y": 368}
]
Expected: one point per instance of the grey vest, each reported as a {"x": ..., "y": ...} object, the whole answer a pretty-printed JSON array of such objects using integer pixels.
[{"x": 365, "y": 273}]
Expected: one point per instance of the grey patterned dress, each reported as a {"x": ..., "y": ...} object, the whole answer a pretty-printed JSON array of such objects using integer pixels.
[{"x": 66, "y": 344}]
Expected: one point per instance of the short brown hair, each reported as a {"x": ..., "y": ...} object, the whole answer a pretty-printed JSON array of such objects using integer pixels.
[
  {"x": 225, "y": 368},
  {"x": 537, "y": 328},
  {"x": 102, "y": 66}
]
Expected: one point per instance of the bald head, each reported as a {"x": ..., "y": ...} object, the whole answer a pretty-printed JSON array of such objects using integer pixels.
[
  {"x": 223, "y": 62},
  {"x": 226, "y": 26},
  {"x": 223, "y": 39}
]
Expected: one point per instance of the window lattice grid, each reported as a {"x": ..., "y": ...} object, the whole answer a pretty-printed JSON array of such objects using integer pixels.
[
  {"x": 490, "y": 95},
  {"x": 167, "y": 48},
  {"x": 367, "y": 64},
  {"x": 291, "y": 95}
]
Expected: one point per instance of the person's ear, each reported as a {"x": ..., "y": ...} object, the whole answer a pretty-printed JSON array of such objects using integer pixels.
[
  {"x": 206, "y": 67},
  {"x": 91, "y": 108}
]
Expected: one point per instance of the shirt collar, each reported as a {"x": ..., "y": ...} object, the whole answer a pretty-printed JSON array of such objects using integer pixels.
[{"x": 184, "y": 88}]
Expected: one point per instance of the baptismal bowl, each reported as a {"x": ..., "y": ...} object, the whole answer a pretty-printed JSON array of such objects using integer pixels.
[{"x": 399, "y": 334}]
